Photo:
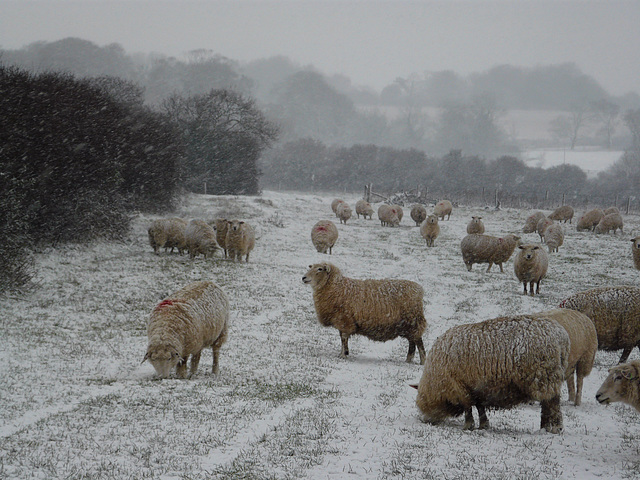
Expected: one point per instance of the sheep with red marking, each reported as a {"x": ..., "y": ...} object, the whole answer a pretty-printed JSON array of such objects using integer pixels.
[
  {"x": 442, "y": 208},
  {"x": 388, "y": 216},
  {"x": 589, "y": 220},
  {"x": 334, "y": 205},
  {"x": 364, "y": 208},
  {"x": 344, "y": 212},
  {"x": 324, "y": 235}
]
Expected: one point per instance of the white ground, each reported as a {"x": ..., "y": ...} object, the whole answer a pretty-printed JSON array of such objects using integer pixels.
[
  {"x": 75, "y": 402},
  {"x": 592, "y": 161}
]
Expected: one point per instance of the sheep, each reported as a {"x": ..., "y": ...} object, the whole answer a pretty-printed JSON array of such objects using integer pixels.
[
  {"x": 418, "y": 214},
  {"x": 380, "y": 310},
  {"x": 635, "y": 250},
  {"x": 201, "y": 238},
  {"x": 612, "y": 210},
  {"x": 621, "y": 385},
  {"x": 615, "y": 312},
  {"x": 240, "y": 240},
  {"x": 498, "y": 363},
  {"x": 183, "y": 324},
  {"x": 589, "y": 220},
  {"x": 221, "y": 233},
  {"x": 344, "y": 212},
  {"x": 530, "y": 266},
  {"x": 562, "y": 214},
  {"x": 543, "y": 224},
  {"x": 334, "y": 205},
  {"x": 478, "y": 248},
  {"x": 583, "y": 345},
  {"x": 531, "y": 224},
  {"x": 167, "y": 233},
  {"x": 324, "y": 235},
  {"x": 553, "y": 237},
  {"x": 399, "y": 211},
  {"x": 612, "y": 221},
  {"x": 388, "y": 216},
  {"x": 442, "y": 208},
  {"x": 364, "y": 208},
  {"x": 430, "y": 229},
  {"x": 475, "y": 225}
]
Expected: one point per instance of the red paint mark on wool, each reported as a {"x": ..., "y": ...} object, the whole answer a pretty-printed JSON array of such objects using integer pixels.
[
  {"x": 321, "y": 229},
  {"x": 500, "y": 240},
  {"x": 164, "y": 303},
  {"x": 562, "y": 303}
]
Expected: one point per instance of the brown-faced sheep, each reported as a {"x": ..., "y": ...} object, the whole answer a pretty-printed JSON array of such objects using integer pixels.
[
  {"x": 554, "y": 237},
  {"x": 475, "y": 225},
  {"x": 531, "y": 224},
  {"x": 334, "y": 205},
  {"x": 615, "y": 312},
  {"x": 498, "y": 363},
  {"x": 201, "y": 239},
  {"x": 612, "y": 221},
  {"x": 530, "y": 266},
  {"x": 487, "y": 249},
  {"x": 442, "y": 208},
  {"x": 543, "y": 224},
  {"x": 324, "y": 235},
  {"x": 240, "y": 240},
  {"x": 612, "y": 210},
  {"x": 221, "y": 225},
  {"x": 167, "y": 233},
  {"x": 582, "y": 352},
  {"x": 622, "y": 385},
  {"x": 380, "y": 310},
  {"x": 562, "y": 214},
  {"x": 344, "y": 212},
  {"x": 183, "y": 324},
  {"x": 635, "y": 252},
  {"x": 388, "y": 216},
  {"x": 364, "y": 208},
  {"x": 418, "y": 214},
  {"x": 589, "y": 220},
  {"x": 430, "y": 230}
]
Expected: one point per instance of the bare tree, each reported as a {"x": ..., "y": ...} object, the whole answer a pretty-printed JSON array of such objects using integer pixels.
[{"x": 607, "y": 114}]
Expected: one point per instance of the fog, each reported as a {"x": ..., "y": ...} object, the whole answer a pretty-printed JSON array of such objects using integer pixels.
[{"x": 372, "y": 42}]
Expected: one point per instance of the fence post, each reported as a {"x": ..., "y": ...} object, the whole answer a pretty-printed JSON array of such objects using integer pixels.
[
  {"x": 205, "y": 188},
  {"x": 562, "y": 199},
  {"x": 628, "y": 204},
  {"x": 615, "y": 204}
]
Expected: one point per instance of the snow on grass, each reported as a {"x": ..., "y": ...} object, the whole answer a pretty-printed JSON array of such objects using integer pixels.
[{"x": 75, "y": 401}]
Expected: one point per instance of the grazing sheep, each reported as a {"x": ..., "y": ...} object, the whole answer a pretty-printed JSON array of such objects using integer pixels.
[
  {"x": 531, "y": 224},
  {"x": 167, "y": 233},
  {"x": 183, "y": 324},
  {"x": 430, "y": 230},
  {"x": 582, "y": 352},
  {"x": 562, "y": 214},
  {"x": 442, "y": 208},
  {"x": 334, "y": 205},
  {"x": 622, "y": 385},
  {"x": 589, "y": 220},
  {"x": 530, "y": 266},
  {"x": 615, "y": 312},
  {"x": 635, "y": 250},
  {"x": 388, "y": 216},
  {"x": 612, "y": 221},
  {"x": 344, "y": 212},
  {"x": 487, "y": 249},
  {"x": 475, "y": 225},
  {"x": 240, "y": 240},
  {"x": 418, "y": 214},
  {"x": 399, "y": 211},
  {"x": 554, "y": 237},
  {"x": 612, "y": 210},
  {"x": 201, "y": 238},
  {"x": 221, "y": 225},
  {"x": 324, "y": 235},
  {"x": 380, "y": 310},
  {"x": 498, "y": 363},
  {"x": 364, "y": 208},
  {"x": 543, "y": 224}
]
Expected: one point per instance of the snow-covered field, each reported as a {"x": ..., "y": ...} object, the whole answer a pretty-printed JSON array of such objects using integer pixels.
[
  {"x": 591, "y": 161},
  {"x": 75, "y": 401}
]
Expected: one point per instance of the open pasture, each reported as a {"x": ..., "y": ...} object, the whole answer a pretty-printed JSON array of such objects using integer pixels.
[{"x": 75, "y": 401}]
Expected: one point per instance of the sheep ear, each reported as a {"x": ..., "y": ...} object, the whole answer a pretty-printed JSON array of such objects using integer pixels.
[
  {"x": 521, "y": 247},
  {"x": 414, "y": 385},
  {"x": 241, "y": 222},
  {"x": 327, "y": 268},
  {"x": 146, "y": 357},
  {"x": 536, "y": 247},
  {"x": 629, "y": 372}
]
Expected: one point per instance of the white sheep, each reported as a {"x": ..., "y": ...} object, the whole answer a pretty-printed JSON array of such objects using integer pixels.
[
  {"x": 430, "y": 230},
  {"x": 621, "y": 385},
  {"x": 240, "y": 240},
  {"x": 542, "y": 226},
  {"x": 615, "y": 312},
  {"x": 399, "y": 211},
  {"x": 388, "y": 216},
  {"x": 584, "y": 344},
  {"x": 201, "y": 239},
  {"x": 589, "y": 220},
  {"x": 221, "y": 225},
  {"x": 334, "y": 205},
  {"x": 167, "y": 233},
  {"x": 611, "y": 221},
  {"x": 478, "y": 248},
  {"x": 635, "y": 252},
  {"x": 418, "y": 214},
  {"x": 530, "y": 266},
  {"x": 553, "y": 237},
  {"x": 612, "y": 210},
  {"x": 475, "y": 225},
  {"x": 380, "y": 310},
  {"x": 183, "y": 324},
  {"x": 364, "y": 208},
  {"x": 562, "y": 214},
  {"x": 442, "y": 208},
  {"x": 498, "y": 363},
  {"x": 531, "y": 224},
  {"x": 344, "y": 212},
  {"x": 324, "y": 235}
]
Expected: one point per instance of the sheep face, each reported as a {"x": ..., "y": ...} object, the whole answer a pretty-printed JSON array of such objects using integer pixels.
[
  {"x": 636, "y": 243},
  {"x": 618, "y": 384},
  {"x": 163, "y": 358},
  {"x": 317, "y": 275},
  {"x": 235, "y": 225},
  {"x": 528, "y": 251}
]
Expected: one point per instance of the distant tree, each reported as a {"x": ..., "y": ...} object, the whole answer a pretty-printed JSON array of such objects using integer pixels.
[
  {"x": 607, "y": 114},
  {"x": 568, "y": 127},
  {"x": 124, "y": 91},
  {"x": 632, "y": 121}
]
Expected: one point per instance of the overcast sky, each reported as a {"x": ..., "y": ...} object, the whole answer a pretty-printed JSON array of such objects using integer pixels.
[{"x": 373, "y": 42}]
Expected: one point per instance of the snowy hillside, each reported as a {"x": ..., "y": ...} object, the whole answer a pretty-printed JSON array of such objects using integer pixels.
[{"x": 75, "y": 401}]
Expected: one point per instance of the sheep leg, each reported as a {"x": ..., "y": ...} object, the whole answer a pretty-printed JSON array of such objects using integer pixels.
[
  {"x": 412, "y": 351},
  {"x": 421, "y": 351},
  {"x": 469, "y": 265},
  {"x": 489, "y": 267},
  {"x": 551, "y": 418},
  {"x": 571, "y": 387},
  {"x": 181, "y": 368},
  {"x": 468, "y": 419},
  {"x": 538, "y": 287},
  {"x": 501, "y": 270},
  {"x": 482, "y": 414},
  {"x": 345, "y": 343},
  {"x": 531, "y": 288},
  {"x": 525, "y": 287},
  {"x": 195, "y": 361},
  {"x": 625, "y": 354}
]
